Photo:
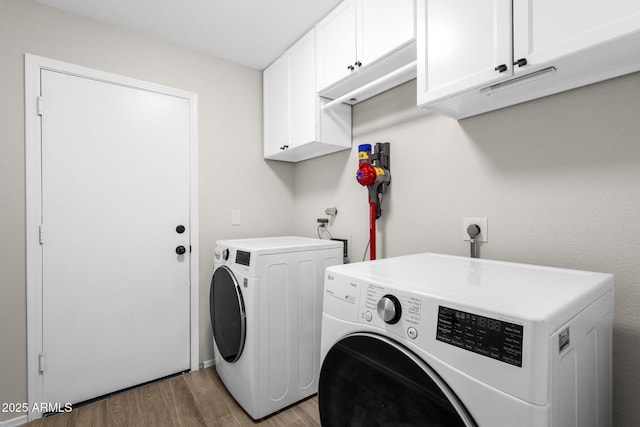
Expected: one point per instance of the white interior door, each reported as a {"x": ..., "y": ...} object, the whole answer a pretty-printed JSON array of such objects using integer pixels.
[{"x": 115, "y": 185}]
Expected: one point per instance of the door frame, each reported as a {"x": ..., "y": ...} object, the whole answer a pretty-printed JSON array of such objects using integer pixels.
[{"x": 33, "y": 65}]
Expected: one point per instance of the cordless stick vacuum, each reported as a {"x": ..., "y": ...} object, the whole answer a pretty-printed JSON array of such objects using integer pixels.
[{"x": 373, "y": 173}]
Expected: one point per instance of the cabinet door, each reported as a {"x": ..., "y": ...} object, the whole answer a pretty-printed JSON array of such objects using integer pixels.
[
  {"x": 276, "y": 105},
  {"x": 460, "y": 44},
  {"x": 302, "y": 91},
  {"x": 383, "y": 26},
  {"x": 336, "y": 44},
  {"x": 545, "y": 30}
]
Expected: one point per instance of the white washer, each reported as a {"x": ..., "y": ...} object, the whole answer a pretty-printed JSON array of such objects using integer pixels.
[
  {"x": 266, "y": 308},
  {"x": 450, "y": 341}
]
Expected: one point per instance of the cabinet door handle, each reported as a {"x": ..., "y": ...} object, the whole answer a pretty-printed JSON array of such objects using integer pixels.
[
  {"x": 501, "y": 68},
  {"x": 284, "y": 147},
  {"x": 350, "y": 67},
  {"x": 521, "y": 62},
  {"x": 358, "y": 64}
]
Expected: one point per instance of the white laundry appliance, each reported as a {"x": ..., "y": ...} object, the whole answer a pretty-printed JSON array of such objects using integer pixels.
[
  {"x": 435, "y": 340},
  {"x": 266, "y": 308}
]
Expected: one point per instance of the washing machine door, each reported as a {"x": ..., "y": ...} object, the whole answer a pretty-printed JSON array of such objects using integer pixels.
[
  {"x": 228, "y": 316},
  {"x": 370, "y": 380}
]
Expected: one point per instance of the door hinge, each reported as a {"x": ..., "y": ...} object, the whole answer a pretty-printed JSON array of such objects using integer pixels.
[
  {"x": 41, "y": 234},
  {"x": 39, "y": 106},
  {"x": 41, "y": 362}
]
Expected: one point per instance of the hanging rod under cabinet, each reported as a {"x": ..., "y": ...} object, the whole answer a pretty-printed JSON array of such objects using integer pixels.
[{"x": 378, "y": 82}]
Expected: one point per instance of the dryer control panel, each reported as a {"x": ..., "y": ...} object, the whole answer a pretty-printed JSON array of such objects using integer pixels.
[
  {"x": 411, "y": 305},
  {"x": 489, "y": 337},
  {"x": 397, "y": 312}
]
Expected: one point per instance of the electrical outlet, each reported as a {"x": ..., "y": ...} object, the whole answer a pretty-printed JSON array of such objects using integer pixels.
[{"x": 484, "y": 229}]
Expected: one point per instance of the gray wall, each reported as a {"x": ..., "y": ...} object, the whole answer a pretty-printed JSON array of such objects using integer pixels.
[
  {"x": 233, "y": 174},
  {"x": 558, "y": 179}
]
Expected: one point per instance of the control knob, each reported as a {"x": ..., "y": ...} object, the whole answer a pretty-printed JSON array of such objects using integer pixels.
[
  {"x": 225, "y": 254},
  {"x": 389, "y": 309}
]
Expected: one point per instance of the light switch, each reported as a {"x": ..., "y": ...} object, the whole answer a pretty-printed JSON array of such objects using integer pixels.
[{"x": 235, "y": 217}]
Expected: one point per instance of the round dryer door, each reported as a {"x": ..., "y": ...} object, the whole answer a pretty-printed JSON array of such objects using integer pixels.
[
  {"x": 228, "y": 316},
  {"x": 370, "y": 380}
]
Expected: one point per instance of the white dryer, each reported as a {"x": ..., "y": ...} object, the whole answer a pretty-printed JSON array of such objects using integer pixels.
[
  {"x": 435, "y": 340},
  {"x": 266, "y": 308}
]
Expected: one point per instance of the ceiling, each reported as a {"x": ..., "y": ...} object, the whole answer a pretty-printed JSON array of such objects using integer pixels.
[{"x": 249, "y": 32}]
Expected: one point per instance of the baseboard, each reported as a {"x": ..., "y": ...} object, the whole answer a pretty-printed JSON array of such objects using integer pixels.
[
  {"x": 206, "y": 364},
  {"x": 18, "y": 421}
]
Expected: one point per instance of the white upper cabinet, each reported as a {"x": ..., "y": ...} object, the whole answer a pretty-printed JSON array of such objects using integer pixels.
[
  {"x": 362, "y": 40},
  {"x": 276, "y": 105},
  {"x": 545, "y": 30},
  {"x": 383, "y": 26},
  {"x": 479, "y": 56},
  {"x": 302, "y": 93},
  {"x": 336, "y": 38},
  {"x": 462, "y": 44},
  {"x": 295, "y": 127}
]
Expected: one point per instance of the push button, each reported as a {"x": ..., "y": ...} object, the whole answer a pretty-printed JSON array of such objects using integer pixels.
[{"x": 412, "y": 332}]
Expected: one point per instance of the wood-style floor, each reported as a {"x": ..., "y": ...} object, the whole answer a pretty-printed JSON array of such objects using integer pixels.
[{"x": 193, "y": 399}]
